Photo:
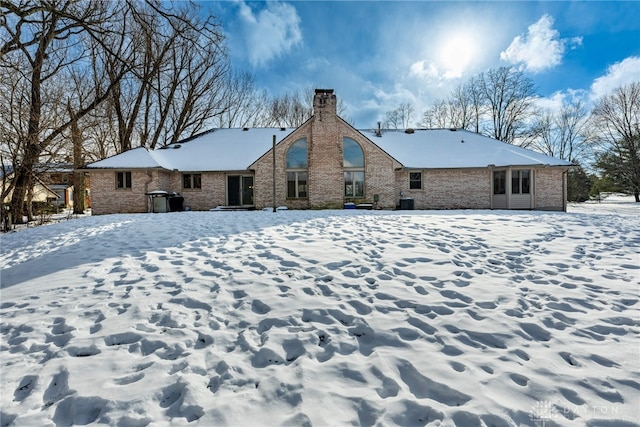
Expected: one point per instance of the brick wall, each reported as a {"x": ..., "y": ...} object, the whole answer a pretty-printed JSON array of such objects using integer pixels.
[
  {"x": 263, "y": 174},
  {"x": 550, "y": 189},
  {"x": 211, "y": 194},
  {"x": 384, "y": 177},
  {"x": 106, "y": 199},
  {"x": 324, "y": 134},
  {"x": 448, "y": 188}
]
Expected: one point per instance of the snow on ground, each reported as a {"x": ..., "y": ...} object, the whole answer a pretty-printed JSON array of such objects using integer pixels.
[{"x": 466, "y": 318}]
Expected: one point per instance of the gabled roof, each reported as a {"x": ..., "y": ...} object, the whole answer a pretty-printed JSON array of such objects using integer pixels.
[
  {"x": 236, "y": 149},
  {"x": 455, "y": 148}
]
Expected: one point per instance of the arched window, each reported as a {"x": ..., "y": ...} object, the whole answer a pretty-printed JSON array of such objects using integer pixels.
[
  {"x": 353, "y": 164},
  {"x": 297, "y": 169}
]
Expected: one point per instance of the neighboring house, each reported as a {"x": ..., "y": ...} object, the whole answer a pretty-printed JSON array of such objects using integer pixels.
[
  {"x": 41, "y": 192},
  {"x": 53, "y": 184},
  {"x": 326, "y": 163},
  {"x": 59, "y": 177}
]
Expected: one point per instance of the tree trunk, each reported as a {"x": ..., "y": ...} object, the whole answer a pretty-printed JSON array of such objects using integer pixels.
[
  {"x": 24, "y": 172},
  {"x": 23, "y": 180},
  {"x": 79, "y": 185}
]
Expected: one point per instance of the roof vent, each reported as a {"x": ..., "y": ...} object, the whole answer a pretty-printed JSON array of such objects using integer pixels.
[
  {"x": 283, "y": 129},
  {"x": 245, "y": 129},
  {"x": 176, "y": 146},
  {"x": 453, "y": 129},
  {"x": 379, "y": 130},
  {"x": 409, "y": 130}
]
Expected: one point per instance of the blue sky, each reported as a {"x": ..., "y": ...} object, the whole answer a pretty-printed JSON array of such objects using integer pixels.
[{"x": 378, "y": 55}]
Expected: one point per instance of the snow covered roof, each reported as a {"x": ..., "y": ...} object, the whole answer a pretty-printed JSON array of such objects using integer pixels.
[
  {"x": 215, "y": 150},
  {"x": 447, "y": 148},
  {"x": 236, "y": 149}
]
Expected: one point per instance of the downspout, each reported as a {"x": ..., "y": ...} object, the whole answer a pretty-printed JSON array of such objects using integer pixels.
[
  {"x": 564, "y": 190},
  {"x": 273, "y": 149},
  {"x": 146, "y": 189}
]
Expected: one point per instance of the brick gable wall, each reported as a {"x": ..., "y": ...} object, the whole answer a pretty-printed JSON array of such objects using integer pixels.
[{"x": 324, "y": 133}]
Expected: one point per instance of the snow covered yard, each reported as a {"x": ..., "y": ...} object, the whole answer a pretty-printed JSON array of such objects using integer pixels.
[{"x": 465, "y": 318}]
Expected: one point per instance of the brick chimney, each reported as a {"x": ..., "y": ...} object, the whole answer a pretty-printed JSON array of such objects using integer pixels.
[{"x": 324, "y": 105}]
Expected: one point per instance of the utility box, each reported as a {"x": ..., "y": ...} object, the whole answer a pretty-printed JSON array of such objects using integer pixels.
[
  {"x": 176, "y": 203},
  {"x": 160, "y": 204},
  {"x": 159, "y": 201},
  {"x": 406, "y": 204}
]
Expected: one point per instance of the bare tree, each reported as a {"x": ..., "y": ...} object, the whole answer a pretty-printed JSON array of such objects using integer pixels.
[
  {"x": 473, "y": 89},
  {"x": 246, "y": 105},
  {"x": 563, "y": 134},
  {"x": 437, "y": 116},
  {"x": 400, "y": 118},
  {"x": 289, "y": 110},
  {"x": 42, "y": 40},
  {"x": 616, "y": 120},
  {"x": 509, "y": 96},
  {"x": 177, "y": 79}
]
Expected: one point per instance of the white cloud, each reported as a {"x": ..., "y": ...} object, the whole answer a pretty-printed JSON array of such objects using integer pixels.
[
  {"x": 423, "y": 69},
  {"x": 270, "y": 32},
  {"x": 552, "y": 103},
  {"x": 556, "y": 101},
  {"x": 540, "y": 48},
  {"x": 619, "y": 74}
]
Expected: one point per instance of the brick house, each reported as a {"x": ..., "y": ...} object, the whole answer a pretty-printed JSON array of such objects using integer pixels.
[{"x": 326, "y": 163}]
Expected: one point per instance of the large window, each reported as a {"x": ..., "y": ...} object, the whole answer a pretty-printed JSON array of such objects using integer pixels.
[
  {"x": 415, "y": 180},
  {"x": 191, "y": 180},
  {"x": 123, "y": 180},
  {"x": 353, "y": 163},
  {"x": 520, "y": 181},
  {"x": 499, "y": 182},
  {"x": 297, "y": 169}
]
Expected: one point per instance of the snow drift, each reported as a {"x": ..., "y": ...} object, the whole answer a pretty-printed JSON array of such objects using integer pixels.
[{"x": 465, "y": 318}]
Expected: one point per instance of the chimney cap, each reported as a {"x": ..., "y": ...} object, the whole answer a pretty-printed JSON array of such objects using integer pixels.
[{"x": 324, "y": 91}]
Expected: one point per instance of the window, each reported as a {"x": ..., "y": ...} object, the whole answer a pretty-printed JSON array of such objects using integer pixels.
[
  {"x": 191, "y": 180},
  {"x": 354, "y": 183},
  {"x": 499, "y": 182},
  {"x": 123, "y": 180},
  {"x": 415, "y": 180},
  {"x": 520, "y": 181},
  {"x": 353, "y": 163},
  {"x": 297, "y": 169},
  {"x": 297, "y": 155},
  {"x": 296, "y": 184}
]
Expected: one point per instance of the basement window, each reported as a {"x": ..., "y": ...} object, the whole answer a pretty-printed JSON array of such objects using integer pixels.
[{"x": 123, "y": 180}]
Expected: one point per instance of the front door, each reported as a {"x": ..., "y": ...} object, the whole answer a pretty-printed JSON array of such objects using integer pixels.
[{"x": 239, "y": 190}]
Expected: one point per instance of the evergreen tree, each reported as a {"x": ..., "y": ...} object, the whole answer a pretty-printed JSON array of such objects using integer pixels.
[{"x": 578, "y": 185}]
